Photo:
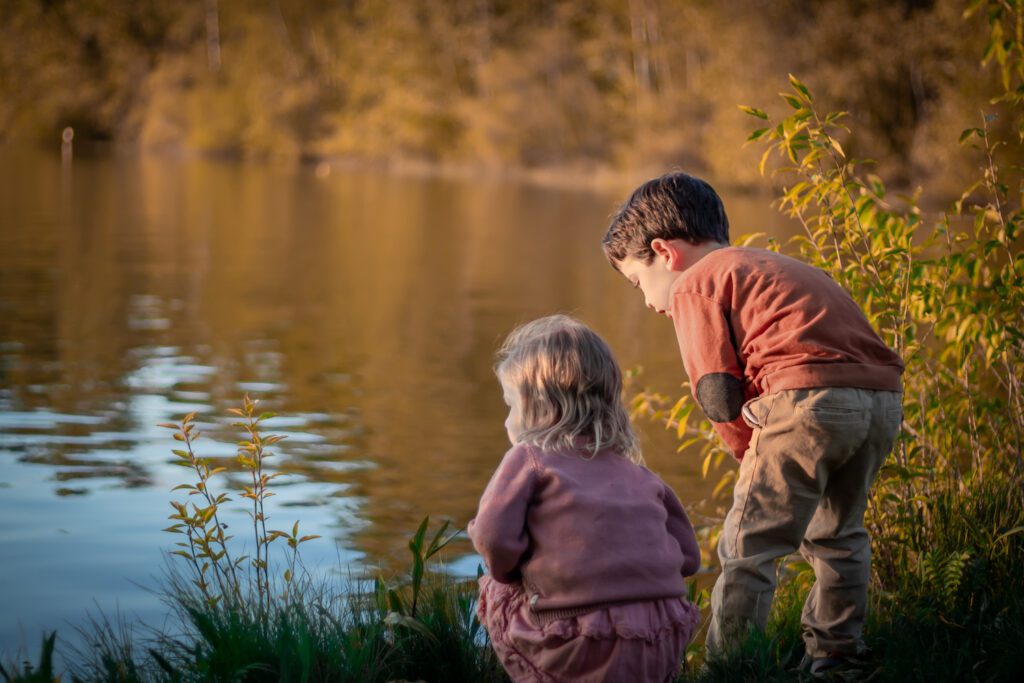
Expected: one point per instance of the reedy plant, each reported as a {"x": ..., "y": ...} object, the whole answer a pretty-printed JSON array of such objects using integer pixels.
[
  {"x": 432, "y": 618},
  {"x": 43, "y": 673},
  {"x": 251, "y": 454},
  {"x": 206, "y": 547},
  {"x": 109, "y": 652},
  {"x": 401, "y": 609},
  {"x": 422, "y": 626},
  {"x": 237, "y": 625}
]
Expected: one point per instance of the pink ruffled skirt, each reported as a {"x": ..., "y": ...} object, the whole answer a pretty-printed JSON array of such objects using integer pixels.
[{"x": 633, "y": 642}]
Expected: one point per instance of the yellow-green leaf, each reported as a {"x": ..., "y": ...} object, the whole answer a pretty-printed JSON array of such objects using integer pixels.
[
  {"x": 754, "y": 111},
  {"x": 800, "y": 87}
]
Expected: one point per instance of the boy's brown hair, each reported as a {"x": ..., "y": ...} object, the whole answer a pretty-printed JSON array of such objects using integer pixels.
[{"x": 674, "y": 206}]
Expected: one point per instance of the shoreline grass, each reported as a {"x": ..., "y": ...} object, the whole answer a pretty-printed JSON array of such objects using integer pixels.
[{"x": 961, "y": 622}]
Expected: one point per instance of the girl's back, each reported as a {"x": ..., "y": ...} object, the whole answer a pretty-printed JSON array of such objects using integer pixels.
[
  {"x": 600, "y": 532},
  {"x": 586, "y": 548}
]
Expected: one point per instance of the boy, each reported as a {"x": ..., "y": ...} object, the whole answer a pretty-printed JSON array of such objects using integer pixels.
[{"x": 798, "y": 385}]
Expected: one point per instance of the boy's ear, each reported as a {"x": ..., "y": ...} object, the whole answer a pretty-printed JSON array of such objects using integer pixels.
[{"x": 667, "y": 252}]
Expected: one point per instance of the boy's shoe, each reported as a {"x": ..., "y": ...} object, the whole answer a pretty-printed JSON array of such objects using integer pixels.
[
  {"x": 821, "y": 666},
  {"x": 835, "y": 666}
]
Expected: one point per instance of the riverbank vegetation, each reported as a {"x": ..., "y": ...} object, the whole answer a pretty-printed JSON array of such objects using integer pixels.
[
  {"x": 262, "y": 616},
  {"x": 634, "y": 85},
  {"x": 946, "y": 516}
]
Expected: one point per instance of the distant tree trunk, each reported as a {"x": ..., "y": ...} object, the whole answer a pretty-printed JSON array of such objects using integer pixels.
[
  {"x": 662, "y": 65},
  {"x": 642, "y": 78},
  {"x": 641, "y": 58},
  {"x": 483, "y": 42},
  {"x": 286, "y": 38},
  {"x": 692, "y": 68},
  {"x": 212, "y": 36}
]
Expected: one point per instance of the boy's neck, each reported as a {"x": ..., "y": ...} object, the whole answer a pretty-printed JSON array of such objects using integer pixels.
[{"x": 692, "y": 253}]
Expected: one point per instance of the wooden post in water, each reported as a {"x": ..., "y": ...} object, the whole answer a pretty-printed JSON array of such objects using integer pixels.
[
  {"x": 66, "y": 138},
  {"x": 212, "y": 36}
]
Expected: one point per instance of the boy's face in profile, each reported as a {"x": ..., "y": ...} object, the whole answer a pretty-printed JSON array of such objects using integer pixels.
[
  {"x": 654, "y": 279},
  {"x": 657, "y": 278}
]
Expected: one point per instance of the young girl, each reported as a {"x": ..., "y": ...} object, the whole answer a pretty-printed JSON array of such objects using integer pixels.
[{"x": 586, "y": 548}]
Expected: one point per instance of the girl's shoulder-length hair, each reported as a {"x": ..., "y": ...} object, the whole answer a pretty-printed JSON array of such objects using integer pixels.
[{"x": 569, "y": 386}]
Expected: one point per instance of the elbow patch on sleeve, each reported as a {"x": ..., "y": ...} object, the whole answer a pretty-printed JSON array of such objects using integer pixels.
[{"x": 721, "y": 396}]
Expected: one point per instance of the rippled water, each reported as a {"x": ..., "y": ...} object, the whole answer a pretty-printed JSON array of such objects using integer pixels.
[{"x": 364, "y": 308}]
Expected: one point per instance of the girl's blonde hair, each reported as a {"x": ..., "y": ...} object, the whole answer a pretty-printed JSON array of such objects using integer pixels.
[{"x": 569, "y": 387}]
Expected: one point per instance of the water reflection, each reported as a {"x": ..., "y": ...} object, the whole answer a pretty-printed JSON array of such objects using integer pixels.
[{"x": 364, "y": 308}]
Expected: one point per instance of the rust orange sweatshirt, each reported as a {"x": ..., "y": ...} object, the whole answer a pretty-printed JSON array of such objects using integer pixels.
[{"x": 752, "y": 322}]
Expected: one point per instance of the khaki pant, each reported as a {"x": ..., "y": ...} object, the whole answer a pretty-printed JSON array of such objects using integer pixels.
[{"x": 803, "y": 484}]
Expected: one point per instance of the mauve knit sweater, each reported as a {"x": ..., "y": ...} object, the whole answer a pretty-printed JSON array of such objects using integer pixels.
[{"x": 582, "y": 531}]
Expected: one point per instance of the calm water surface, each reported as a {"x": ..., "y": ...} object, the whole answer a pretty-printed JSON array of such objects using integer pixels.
[{"x": 364, "y": 308}]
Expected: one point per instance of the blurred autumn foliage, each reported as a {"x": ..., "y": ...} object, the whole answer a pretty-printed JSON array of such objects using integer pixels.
[{"x": 613, "y": 84}]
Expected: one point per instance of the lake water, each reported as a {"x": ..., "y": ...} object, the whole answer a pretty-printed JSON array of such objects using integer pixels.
[{"x": 363, "y": 307}]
